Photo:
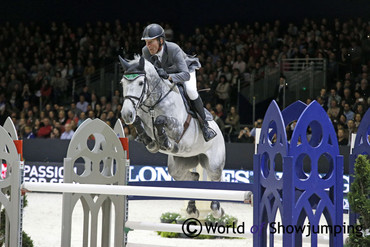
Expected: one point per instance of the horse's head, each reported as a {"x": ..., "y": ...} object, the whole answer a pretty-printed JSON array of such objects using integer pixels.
[{"x": 135, "y": 85}]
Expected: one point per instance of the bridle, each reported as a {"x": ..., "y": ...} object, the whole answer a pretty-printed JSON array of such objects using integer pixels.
[
  {"x": 132, "y": 77},
  {"x": 140, "y": 103}
]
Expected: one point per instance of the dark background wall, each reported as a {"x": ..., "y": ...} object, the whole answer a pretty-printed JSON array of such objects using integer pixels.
[{"x": 184, "y": 15}]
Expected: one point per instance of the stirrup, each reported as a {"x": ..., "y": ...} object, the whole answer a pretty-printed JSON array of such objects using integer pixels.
[{"x": 208, "y": 133}]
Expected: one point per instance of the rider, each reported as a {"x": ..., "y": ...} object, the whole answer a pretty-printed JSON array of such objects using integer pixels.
[{"x": 173, "y": 64}]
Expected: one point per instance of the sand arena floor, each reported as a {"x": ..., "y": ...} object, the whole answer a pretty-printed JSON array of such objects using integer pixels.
[{"x": 42, "y": 221}]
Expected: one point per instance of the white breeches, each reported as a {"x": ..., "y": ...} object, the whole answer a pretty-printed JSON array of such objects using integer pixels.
[{"x": 191, "y": 87}]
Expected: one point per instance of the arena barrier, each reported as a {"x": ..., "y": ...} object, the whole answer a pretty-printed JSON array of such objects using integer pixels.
[{"x": 103, "y": 183}]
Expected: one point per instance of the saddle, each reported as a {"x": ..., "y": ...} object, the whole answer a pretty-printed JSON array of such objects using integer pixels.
[{"x": 188, "y": 105}]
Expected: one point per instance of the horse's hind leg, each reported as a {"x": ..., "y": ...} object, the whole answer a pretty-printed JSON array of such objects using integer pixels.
[
  {"x": 214, "y": 166},
  {"x": 179, "y": 169}
]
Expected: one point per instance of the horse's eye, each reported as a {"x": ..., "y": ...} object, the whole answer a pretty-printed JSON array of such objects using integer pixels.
[{"x": 141, "y": 83}]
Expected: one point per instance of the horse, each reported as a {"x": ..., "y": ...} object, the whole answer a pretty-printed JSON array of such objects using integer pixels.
[{"x": 156, "y": 109}]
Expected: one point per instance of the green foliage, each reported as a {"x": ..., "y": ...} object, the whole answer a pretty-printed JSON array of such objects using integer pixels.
[
  {"x": 26, "y": 240},
  {"x": 2, "y": 228},
  {"x": 175, "y": 218},
  {"x": 359, "y": 200},
  {"x": 225, "y": 220},
  {"x": 169, "y": 217},
  {"x": 25, "y": 201},
  {"x": 180, "y": 219},
  {"x": 169, "y": 234}
]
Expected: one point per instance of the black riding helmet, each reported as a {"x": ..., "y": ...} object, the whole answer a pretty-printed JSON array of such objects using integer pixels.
[{"x": 153, "y": 31}]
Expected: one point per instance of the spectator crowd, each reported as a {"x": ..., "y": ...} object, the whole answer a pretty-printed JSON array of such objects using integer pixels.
[{"x": 38, "y": 65}]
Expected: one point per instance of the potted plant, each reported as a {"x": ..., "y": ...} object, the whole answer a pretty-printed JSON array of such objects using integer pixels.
[
  {"x": 359, "y": 200},
  {"x": 180, "y": 219},
  {"x": 169, "y": 217},
  {"x": 225, "y": 220}
]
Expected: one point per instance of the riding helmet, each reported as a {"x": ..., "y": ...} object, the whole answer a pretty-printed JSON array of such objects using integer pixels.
[{"x": 153, "y": 31}]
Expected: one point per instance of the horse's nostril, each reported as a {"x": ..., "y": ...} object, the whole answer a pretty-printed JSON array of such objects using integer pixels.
[{"x": 130, "y": 115}]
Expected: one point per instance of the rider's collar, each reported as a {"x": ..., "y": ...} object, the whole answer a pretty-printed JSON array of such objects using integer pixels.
[
  {"x": 160, "y": 54},
  {"x": 133, "y": 75}
]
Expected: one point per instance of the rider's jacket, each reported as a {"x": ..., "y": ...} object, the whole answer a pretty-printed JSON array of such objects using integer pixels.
[{"x": 174, "y": 61}]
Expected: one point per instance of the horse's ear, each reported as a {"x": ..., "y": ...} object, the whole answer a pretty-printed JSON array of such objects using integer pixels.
[
  {"x": 123, "y": 62},
  {"x": 141, "y": 63}
]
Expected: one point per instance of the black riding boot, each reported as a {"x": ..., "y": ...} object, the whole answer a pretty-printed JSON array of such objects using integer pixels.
[{"x": 208, "y": 132}]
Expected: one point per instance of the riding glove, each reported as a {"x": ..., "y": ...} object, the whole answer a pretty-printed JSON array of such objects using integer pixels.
[{"x": 162, "y": 73}]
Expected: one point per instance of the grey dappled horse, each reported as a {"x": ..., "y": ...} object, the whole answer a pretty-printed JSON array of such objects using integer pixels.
[{"x": 156, "y": 109}]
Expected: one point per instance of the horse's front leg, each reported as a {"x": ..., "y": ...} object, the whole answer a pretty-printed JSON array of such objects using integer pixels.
[
  {"x": 151, "y": 145},
  {"x": 160, "y": 123}
]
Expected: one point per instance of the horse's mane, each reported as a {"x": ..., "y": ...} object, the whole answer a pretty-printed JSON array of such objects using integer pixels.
[{"x": 149, "y": 68}]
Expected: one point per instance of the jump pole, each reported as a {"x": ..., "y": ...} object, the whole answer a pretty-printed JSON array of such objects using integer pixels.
[
  {"x": 136, "y": 190},
  {"x": 166, "y": 227}
]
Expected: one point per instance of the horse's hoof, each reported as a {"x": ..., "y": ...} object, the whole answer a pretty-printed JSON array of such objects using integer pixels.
[
  {"x": 152, "y": 147},
  {"x": 217, "y": 211},
  {"x": 166, "y": 146},
  {"x": 215, "y": 205},
  {"x": 195, "y": 176},
  {"x": 218, "y": 214},
  {"x": 143, "y": 139},
  {"x": 147, "y": 140},
  {"x": 193, "y": 213},
  {"x": 192, "y": 210},
  {"x": 139, "y": 140}
]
